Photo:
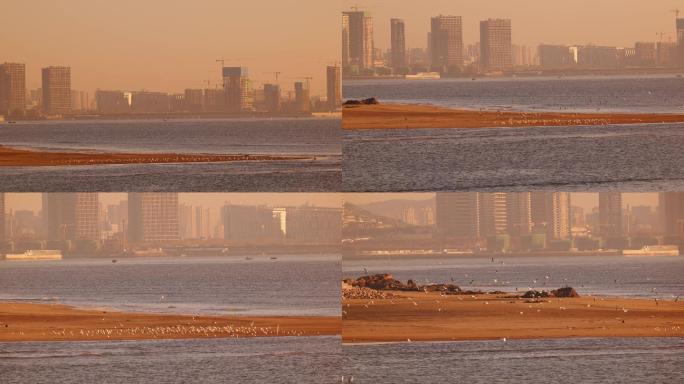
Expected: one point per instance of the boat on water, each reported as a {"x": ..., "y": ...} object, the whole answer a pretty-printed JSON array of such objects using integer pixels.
[
  {"x": 652, "y": 250},
  {"x": 424, "y": 76},
  {"x": 36, "y": 254}
]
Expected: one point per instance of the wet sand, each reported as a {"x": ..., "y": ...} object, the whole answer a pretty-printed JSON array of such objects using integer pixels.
[
  {"x": 420, "y": 316},
  {"x": 26, "y": 157},
  {"x": 53, "y": 322},
  {"x": 388, "y": 116}
]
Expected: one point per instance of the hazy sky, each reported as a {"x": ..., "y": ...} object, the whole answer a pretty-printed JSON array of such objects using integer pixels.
[
  {"x": 32, "y": 201},
  {"x": 609, "y": 22},
  {"x": 170, "y": 45},
  {"x": 584, "y": 200}
]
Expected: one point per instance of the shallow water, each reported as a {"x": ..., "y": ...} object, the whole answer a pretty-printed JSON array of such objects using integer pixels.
[
  {"x": 641, "y": 277},
  {"x": 634, "y": 360},
  {"x": 615, "y": 157},
  {"x": 255, "y": 360},
  {"x": 305, "y": 285}
]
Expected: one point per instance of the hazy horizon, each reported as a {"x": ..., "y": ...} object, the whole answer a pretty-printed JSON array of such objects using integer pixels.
[
  {"x": 32, "y": 201},
  {"x": 607, "y": 22},
  {"x": 585, "y": 200},
  {"x": 169, "y": 46}
]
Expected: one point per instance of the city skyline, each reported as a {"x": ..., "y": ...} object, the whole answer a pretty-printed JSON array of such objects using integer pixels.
[
  {"x": 33, "y": 201},
  {"x": 172, "y": 53},
  {"x": 536, "y": 23}
]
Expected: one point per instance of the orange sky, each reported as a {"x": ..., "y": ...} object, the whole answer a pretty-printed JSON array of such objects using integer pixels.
[
  {"x": 609, "y": 22},
  {"x": 170, "y": 45},
  {"x": 32, "y": 201}
]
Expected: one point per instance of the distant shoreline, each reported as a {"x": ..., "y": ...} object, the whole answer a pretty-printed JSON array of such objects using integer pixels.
[
  {"x": 15, "y": 157},
  {"x": 415, "y": 116},
  {"x": 429, "y": 316},
  {"x": 56, "y": 322}
]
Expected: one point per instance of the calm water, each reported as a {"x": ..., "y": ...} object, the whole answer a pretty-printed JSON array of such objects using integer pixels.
[
  {"x": 644, "y": 277},
  {"x": 626, "y": 158},
  {"x": 257, "y": 360},
  {"x": 657, "y": 93},
  {"x": 219, "y": 136},
  {"x": 311, "y": 137},
  {"x": 637, "y": 360},
  {"x": 291, "y": 285}
]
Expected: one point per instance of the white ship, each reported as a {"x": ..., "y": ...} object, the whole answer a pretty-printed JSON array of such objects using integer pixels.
[
  {"x": 424, "y": 76},
  {"x": 32, "y": 254},
  {"x": 653, "y": 250}
]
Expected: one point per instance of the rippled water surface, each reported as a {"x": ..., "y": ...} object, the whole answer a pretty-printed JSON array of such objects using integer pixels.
[
  {"x": 637, "y": 360},
  {"x": 313, "y": 138},
  {"x": 254, "y": 360},
  {"x": 617, "y": 157}
]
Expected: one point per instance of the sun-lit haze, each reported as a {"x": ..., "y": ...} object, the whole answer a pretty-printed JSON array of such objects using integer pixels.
[
  {"x": 32, "y": 201},
  {"x": 171, "y": 45},
  {"x": 587, "y": 201},
  {"x": 604, "y": 22}
]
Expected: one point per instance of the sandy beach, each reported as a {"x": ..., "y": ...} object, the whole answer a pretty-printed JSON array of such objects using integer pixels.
[
  {"x": 397, "y": 116},
  {"x": 25, "y": 157},
  {"x": 53, "y": 322},
  {"x": 430, "y": 316}
]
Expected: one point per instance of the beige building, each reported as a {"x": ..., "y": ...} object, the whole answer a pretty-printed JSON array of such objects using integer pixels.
[
  {"x": 12, "y": 89},
  {"x": 56, "y": 90}
]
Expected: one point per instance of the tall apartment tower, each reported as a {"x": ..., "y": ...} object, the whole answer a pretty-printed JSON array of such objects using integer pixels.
[
  {"x": 680, "y": 40},
  {"x": 398, "y": 43},
  {"x": 357, "y": 39},
  {"x": 446, "y": 43},
  {"x": 672, "y": 213},
  {"x": 493, "y": 213},
  {"x": 238, "y": 89},
  {"x": 496, "y": 51},
  {"x": 519, "y": 213},
  {"x": 334, "y": 87},
  {"x": 12, "y": 89},
  {"x": 2, "y": 218},
  {"x": 272, "y": 97},
  {"x": 71, "y": 216},
  {"x": 610, "y": 214},
  {"x": 558, "y": 215},
  {"x": 153, "y": 217},
  {"x": 457, "y": 215},
  {"x": 56, "y": 90},
  {"x": 302, "y": 97}
]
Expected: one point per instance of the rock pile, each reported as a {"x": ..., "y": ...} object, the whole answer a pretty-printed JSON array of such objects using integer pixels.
[
  {"x": 365, "y": 293},
  {"x": 560, "y": 292},
  {"x": 385, "y": 281},
  {"x": 368, "y": 101}
]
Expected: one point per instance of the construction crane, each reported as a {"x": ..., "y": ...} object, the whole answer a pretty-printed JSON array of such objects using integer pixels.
[
  {"x": 676, "y": 12},
  {"x": 276, "y": 73}
]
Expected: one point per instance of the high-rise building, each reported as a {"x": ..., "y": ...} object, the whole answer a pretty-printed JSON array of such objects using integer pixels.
[
  {"x": 334, "y": 87},
  {"x": 357, "y": 39},
  {"x": 238, "y": 89},
  {"x": 597, "y": 57},
  {"x": 12, "y": 89},
  {"x": 672, "y": 213},
  {"x": 150, "y": 102},
  {"x": 153, "y": 217},
  {"x": 446, "y": 43},
  {"x": 519, "y": 213},
  {"x": 610, "y": 214},
  {"x": 555, "y": 56},
  {"x": 193, "y": 100},
  {"x": 457, "y": 216},
  {"x": 680, "y": 40},
  {"x": 310, "y": 225},
  {"x": 558, "y": 215},
  {"x": 272, "y": 97},
  {"x": 645, "y": 53},
  {"x": 2, "y": 218},
  {"x": 71, "y": 216},
  {"x": 248, "y": 224},
  {"x": 495, "y": 44},
  {"x": 398, "y": 43},
  {"x": 493, "y": 213},
  {"x": 56, "y": 90},
  {"x": 302, "y": 97},
  {"x": 111, "y": 102}
]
